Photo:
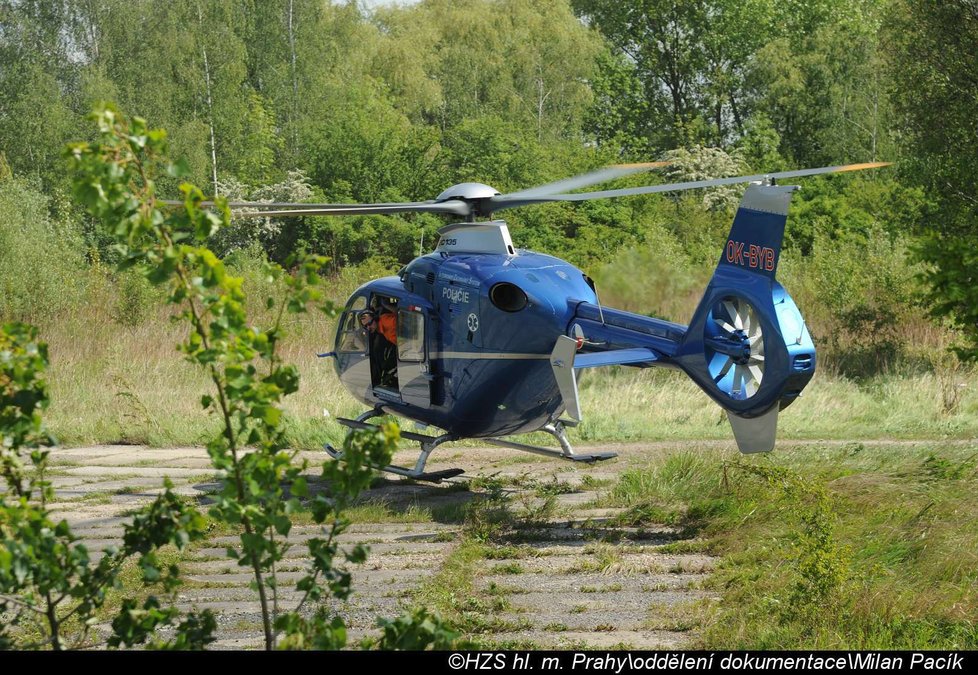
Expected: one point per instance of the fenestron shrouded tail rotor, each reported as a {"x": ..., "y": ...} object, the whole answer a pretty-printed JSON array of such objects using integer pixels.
[
  {"x": 747, "y": 345},
  {"x": 739, "y": 370}
]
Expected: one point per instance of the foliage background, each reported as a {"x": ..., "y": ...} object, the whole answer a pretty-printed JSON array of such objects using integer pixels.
[
  {"x": 316, "y": 100},
  {"x": 312, "y": 100}
]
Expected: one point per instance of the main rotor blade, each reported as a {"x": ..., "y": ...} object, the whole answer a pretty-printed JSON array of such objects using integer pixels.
[
  {"x": 257, "y": 209},
  {"x": 258, "y": 205},
  {"x": 601, "y": 175},
  {"x": 306, "y": 205},
  {"x": 453, "y": 206},
  {"x": 507, "y": 202}
]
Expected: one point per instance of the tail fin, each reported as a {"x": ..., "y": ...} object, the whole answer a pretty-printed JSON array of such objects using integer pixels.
[{"x": 747, "y": 345}]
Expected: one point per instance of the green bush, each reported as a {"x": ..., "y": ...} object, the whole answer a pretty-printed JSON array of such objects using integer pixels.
[
  {"x": 51, "y": 590},
  {"x": 42, "y": 271},
  {"x": 858, "y": 294}
]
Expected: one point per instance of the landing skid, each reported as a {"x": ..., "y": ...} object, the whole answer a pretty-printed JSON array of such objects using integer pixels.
[
  {"x": 429, "y": 443},
  {"x": 557, "y": 430}
]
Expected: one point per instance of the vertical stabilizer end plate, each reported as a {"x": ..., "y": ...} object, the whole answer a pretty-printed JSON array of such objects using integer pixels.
[
  {"x": 562, "y": 362},
  {"x": 757, "y": 433}
]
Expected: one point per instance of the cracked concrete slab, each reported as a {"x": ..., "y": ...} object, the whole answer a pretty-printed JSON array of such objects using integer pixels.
[{"x": 556, "y": 593}]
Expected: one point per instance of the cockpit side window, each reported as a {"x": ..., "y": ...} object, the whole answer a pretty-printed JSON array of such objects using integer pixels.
[{"x": 351, "y": 336}]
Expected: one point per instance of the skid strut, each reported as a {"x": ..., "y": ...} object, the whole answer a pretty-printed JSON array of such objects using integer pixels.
[{"x": 428, "y": 443}]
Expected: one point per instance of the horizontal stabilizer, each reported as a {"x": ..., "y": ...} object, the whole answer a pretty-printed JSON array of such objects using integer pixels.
[
  {"x": 757, "y": 433},
  {"x": 616, "y": 357}
]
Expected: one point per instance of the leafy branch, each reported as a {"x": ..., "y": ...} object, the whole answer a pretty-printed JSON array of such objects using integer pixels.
[
  {"x": 116, "y": 182},
  {"x": 49, "y": 584}
]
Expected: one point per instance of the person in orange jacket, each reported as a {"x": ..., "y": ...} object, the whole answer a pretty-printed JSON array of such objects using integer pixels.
[
  {"x": 387, "y": 326},
  {"x": 383, "y": 341}
]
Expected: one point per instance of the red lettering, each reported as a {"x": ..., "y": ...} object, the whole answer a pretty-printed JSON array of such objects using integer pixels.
[
  {"x": 752, "y": 256},
  {"x": 735, "y": 252},
  {"x": 758, "y": 257}
]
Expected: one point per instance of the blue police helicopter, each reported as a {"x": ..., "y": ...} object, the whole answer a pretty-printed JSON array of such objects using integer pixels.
[{"x": 484, "y": 339}]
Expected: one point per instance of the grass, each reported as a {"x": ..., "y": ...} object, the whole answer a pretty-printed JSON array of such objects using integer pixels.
[
  {"x": 590, "y": 483},
  {"x": 685, "y": 546},
  {"x": 481, "y": 624},
  {"x": 500, "y": 589},
  {"x": 688, "y": 567},
  {"x": 509, "y": 552},
  {"x": 552, "y": 488},
  {"x": 827, "y": 546},
  {"x": 678, "y": 618},
  {"x": 445, "y": 591},
  {"x": 384, "y": 512},
  {"x": 655, "y": 588},
  {"x": 507, "y": 568},
  {"x": 451, "y": 513},
  {"x": 603, "y": 559},
  {"x": 113, "y": 383},
  {"x": 506, "y": 645},
  {"x": 93, "y": 498},
  {"x": 610, "y": 588}
]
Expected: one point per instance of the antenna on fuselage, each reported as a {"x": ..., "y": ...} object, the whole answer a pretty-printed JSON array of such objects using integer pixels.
[{"x": 598, "y": 301}]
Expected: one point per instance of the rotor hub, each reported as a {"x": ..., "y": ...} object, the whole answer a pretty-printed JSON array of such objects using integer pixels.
[
  {"x": 469, "y": 192},
  {"x": 743, "y": 353}
]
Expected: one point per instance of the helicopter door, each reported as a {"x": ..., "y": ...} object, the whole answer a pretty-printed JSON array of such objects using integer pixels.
[
  {"x": 412, "y": 358},
  {"x": 352, "y": 358}
]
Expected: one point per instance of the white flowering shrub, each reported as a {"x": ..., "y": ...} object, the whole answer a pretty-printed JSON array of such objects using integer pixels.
[
  {"x": 244, "y": 230},
  {"x": 702, "y": 163}
]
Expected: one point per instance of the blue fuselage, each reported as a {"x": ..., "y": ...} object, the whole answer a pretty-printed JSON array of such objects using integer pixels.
[{"x": 487, "y": 370}]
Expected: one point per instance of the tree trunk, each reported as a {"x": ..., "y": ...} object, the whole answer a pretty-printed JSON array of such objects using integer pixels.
[
  {"x": 295, "y": 81},
  {"x": 210, "y": 102},
  {"x": 736, "y": 114}
]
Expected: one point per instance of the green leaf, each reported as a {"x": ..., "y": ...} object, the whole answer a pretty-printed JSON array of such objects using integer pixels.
[
  {"x": 300, "y": 487},
  {"x": 270, "y": 415}
]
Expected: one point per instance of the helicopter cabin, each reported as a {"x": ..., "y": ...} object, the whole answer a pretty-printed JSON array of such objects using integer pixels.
[
  {"x": 381, "y": 350},
  {"x": 474, "y": 332}
]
